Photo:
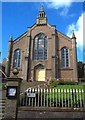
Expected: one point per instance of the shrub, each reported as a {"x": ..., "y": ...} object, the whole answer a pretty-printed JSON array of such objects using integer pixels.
[
  {"x": 61, "y": 82},
  {"x": 3, "y": 86},
  {"x": 53, "y": 83}
]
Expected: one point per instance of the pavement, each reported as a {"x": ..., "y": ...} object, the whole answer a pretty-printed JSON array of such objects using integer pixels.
[{"x": 52, "y": 115}]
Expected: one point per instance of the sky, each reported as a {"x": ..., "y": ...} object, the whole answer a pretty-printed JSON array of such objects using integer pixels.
[{"x": 18, "y": 16}]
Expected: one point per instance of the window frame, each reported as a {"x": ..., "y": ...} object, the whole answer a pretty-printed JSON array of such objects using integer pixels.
[
  {"x": 65, "y": 57},
  {"x": 44, "y": 38},
  {"x": 18, "y": 57}
]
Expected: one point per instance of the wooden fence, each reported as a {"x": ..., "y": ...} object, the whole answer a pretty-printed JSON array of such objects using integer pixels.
[{"x": 64, "y": 98}]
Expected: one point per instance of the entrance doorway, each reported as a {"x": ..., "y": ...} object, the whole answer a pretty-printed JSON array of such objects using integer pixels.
[{"x": 39, "y": 73}]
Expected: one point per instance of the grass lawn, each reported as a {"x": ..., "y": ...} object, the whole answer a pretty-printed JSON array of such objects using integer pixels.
[
  {"x": 70, "y": 87},
  {"x": 79, "y": 95}
]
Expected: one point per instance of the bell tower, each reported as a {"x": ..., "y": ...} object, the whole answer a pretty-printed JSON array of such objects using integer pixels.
[{"x": 41, "y": 19}]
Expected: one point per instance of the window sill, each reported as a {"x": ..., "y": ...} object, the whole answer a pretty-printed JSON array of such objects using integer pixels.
[
  {"x": 39, "y": 60},
  {"x": 68, "y": 68}
]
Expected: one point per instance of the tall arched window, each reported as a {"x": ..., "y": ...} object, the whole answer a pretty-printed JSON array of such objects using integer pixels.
[
  {"x": 40, "y": 47},
  {"x": 65, "y": 57},
  {"x": 16, "y": 60}
]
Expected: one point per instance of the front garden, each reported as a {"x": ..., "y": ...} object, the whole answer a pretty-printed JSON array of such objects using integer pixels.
[{"x": 64, "y": 95}]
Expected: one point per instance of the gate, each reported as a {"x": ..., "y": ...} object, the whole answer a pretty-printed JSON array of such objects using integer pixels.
[{"x": 56, "y": 98}]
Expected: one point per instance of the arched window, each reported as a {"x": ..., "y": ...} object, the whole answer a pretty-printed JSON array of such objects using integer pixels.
[
  {"x": 40, "y": 47},
  {"x": 16, "y": 60},
  {"x": 65, "y": 57}
]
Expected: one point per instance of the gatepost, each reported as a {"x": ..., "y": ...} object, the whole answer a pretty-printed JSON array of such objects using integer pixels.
[{"x": 12, "y": 96}]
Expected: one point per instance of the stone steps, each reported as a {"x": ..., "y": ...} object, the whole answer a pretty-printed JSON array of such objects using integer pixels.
[
  {"x": 1, "y": 116},
  {"x": 2, "y": 108}
]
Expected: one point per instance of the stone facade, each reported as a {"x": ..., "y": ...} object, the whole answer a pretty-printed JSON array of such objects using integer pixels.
[{"x": 52, "y": 65}]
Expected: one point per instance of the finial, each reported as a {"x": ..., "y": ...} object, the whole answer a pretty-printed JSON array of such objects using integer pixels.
[
  {"x": 73, "y": 34},
  {"x": 15, "y": 72},
  {"x": 11, "y": 38},
  {"x": 42, "y": 8}
]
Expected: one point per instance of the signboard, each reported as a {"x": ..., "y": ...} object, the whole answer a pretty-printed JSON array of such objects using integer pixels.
[
  {"x": 11, "y": 92},
  {"x": 31, "y": 95}
]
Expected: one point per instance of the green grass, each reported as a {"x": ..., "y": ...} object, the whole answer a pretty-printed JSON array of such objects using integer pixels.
[
  {"x": 2, "y": 86},
  {"x": 70, "y": 87},
  {"x": 76, "y": 97}
]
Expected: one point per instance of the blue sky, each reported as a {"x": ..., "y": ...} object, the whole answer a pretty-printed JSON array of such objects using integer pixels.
[{"x": 17, "y": 16}]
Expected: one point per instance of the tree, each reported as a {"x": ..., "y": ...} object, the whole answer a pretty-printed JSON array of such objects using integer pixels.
[{"x": 80, "y": 69}]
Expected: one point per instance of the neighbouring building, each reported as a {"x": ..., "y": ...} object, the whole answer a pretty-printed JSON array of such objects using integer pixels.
[
  {"x": 2, "y": 73},
  {"x": 43, "y": 53}
]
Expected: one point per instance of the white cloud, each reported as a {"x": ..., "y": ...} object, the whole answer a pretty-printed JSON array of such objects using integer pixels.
[
  {"x": 78, "y": 30},
  {"x": 64, "y": 12},
  {"x": 62, "y": 6},
  {"x": 59, "y": 4}
]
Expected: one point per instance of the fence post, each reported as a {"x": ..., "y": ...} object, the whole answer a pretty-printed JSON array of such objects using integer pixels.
[
  {"x": 68, "y": 96},
  {"x": 71, "y": 97},
  {"x": 38, "y": 96},
  {"x": 53, "y": 96},
  {"x": 41, "y": 96},
  {"x": 62, "y": 98},
  {"x": 50, "y": 96},
  {"x": 32, "y": 98},
  {"x": 47, "y": 97},
  {"x": 65, "y": 96},
  {"x": 56, "y": 97},
  {"x": 12, "y": 97},
  {"x": 77, "y": 104},
  {"x": 44, "y": 97},
  {"x": 35, "y": 97}
]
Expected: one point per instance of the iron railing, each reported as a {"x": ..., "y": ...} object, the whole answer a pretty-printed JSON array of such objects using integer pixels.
[{"x": 65, "y": 98}]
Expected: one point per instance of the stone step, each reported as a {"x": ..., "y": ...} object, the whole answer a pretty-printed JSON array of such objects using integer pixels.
[
  {"x": 2, "y": 108},
  {"x": 1, "y": 116},
  {"x": 2, "y": 103},
  {"x": 2, "y": 100}
]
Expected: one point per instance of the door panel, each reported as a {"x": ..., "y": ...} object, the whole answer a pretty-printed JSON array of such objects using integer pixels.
[{"x": 40, "y": 75}]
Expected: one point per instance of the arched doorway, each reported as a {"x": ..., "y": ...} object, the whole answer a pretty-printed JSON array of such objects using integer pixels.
[{"x": 39, "y": 73}]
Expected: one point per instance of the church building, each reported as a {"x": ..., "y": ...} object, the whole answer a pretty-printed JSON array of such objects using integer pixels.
[{"x": 43, "y": 53}]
